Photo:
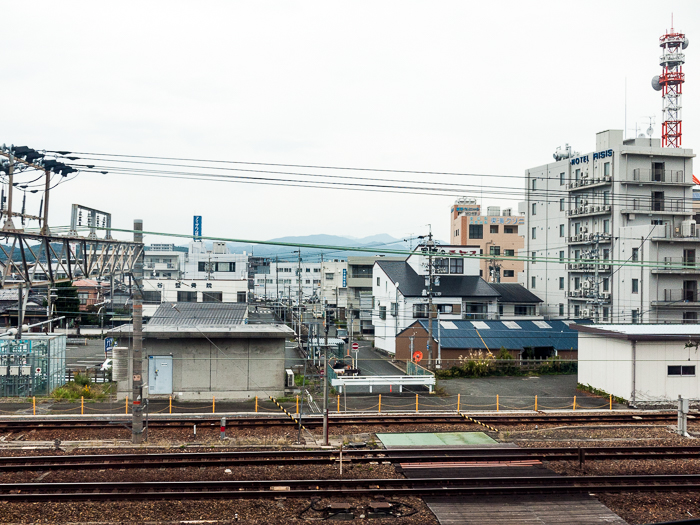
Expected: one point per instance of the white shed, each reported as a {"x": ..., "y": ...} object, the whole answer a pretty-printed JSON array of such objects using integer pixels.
[{"x": 646, "y": 364}]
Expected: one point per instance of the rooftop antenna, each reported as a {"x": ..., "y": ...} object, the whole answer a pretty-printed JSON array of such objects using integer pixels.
[{"x": 670, "y": 83}]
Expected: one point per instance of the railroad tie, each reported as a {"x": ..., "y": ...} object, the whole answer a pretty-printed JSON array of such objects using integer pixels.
[
  {"x": 296, "y": 421},
  {"x": 479, "y": 423}
]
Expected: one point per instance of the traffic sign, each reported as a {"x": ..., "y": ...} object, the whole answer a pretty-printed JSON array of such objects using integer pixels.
[
  {"x": 355, "y": 346},
  {"x": 109, "y": 344}
]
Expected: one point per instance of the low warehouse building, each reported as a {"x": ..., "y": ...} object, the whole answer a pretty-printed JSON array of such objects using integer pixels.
[
  {"x": 200, "y": 351},
  {"x": 647, "y": 365},
  {"x": 462, "y": 339}
]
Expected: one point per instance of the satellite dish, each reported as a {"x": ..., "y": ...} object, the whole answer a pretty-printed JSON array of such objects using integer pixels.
[
  {"x": 655, "y": 83},
  {"x": 650, "y": 131},
  {"x": 685, "y": 43}
]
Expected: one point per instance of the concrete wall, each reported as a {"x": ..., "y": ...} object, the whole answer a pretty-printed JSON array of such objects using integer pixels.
[
  {"x": 606, "y": 364},
  {"x": 228, "y": 369}
]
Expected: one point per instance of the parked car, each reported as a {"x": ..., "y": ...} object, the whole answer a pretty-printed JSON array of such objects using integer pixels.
[{"x": 107, "y": 365}]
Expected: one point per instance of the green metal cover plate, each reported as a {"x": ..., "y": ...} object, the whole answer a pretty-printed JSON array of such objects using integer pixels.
[{"x": 435, "y": 439}]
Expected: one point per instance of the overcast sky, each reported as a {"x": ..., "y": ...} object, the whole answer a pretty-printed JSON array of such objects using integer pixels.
[{"x": 488, "y": 88}]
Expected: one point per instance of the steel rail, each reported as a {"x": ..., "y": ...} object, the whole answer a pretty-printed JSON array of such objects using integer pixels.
[
  {"x": 344, "y": 487},
  {"x": 293, "y": 457},
  {"x": 314, "y": 421}
]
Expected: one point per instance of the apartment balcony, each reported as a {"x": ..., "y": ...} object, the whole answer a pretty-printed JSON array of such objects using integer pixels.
[
  {"x": 589, "y": 267},
  {"x": 587, "y": 295},
  {"x": 644, "y": 176},
  {"x": 657, "y": 207},
  {"x": 586, "y": 183},
  {"x": 677, "y": 265},
  {"x": 680, "y": 297},
  {"x": 587, "y": 210},
  {"x": 686, "y": 232},
  {"x": 588, "y": 238}
]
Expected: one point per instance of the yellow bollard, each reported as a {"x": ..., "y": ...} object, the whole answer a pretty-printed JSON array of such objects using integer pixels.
[
  {"x": 380, "y": 403},
  {"x": 297, "y": 404},
  {"x": 170, "y": 405},
  {"x": 338, "y": 403},
  {"x": 213, "y": 404},
  {"x": 574, "y": 402},
  {"x": 416, "y": 403},
  {"x": 535, "y": 403},
  {"x": 497, "y": 403},
  {"x": 34, "y": 406},
  {"x": 126, "y": 406},
  {"x": 256, "y": 404},
  {"x": 82, "y": 406},
  {"x": 610, "y": 401},
  {"x": 458, "y": 400}
]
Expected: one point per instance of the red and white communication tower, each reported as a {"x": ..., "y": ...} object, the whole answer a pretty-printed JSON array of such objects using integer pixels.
[{"x": 670, "y": 83}]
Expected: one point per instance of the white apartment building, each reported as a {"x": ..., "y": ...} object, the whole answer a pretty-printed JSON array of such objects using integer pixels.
[
  {"x": 217, "y": 263},
  {"x": 289, "y": 279},
  {"x": 157, "y": 291},
  {"x": 610, "y": 234},
  {"x": 162, "y": 261},
  {"x": 334, "y": 283},
  {"x": 400, "y": 293}
]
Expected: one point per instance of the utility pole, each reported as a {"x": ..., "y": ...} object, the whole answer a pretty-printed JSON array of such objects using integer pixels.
[
  {"x": 325, "y": 381},
  {"x": 136, "y": 357},
  {"x": 299, "y": 295},
  {"x": 8, "y": 225},
  {"x": 277, "y": 275},
  {"x": 596, "y": 290},
  {"x": 430, "y": 298}
]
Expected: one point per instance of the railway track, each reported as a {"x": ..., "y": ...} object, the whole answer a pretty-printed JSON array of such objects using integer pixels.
[
  {"x": 339, "y": 420},
  {"x": 320, "y": 457},
  {"x": 182, "y": 490}
]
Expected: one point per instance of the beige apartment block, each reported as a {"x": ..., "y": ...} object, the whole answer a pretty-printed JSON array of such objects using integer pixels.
[{"x": 497, "y": 234}]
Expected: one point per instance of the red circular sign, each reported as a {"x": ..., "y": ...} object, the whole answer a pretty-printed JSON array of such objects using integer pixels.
[
  {"x": 355, "y": 346},
  {"x": 417, "y": 355}
]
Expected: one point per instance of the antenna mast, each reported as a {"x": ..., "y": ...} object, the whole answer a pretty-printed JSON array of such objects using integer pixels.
[{"x": 670, "y": 83}]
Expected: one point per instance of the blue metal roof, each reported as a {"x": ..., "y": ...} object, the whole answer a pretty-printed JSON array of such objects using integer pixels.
[{"x": 513, "y": 335}]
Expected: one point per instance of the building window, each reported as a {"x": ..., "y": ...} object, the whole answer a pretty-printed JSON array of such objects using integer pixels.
[
  {"x": 420, "y": 311},
  {"x": 561, "y": 310},
  {"x": 444, "y": 308},
  {"x": 442, "y": 265},
  {"x": 150, "y": 296},
  {"x": 533, "y": 282},
  {"x": 577, "y": 283},
  {"x": 561, "y": 283},
  {"x": 240, "y": 297},
  {"x": 212, "y": 297},
  {"x": 317, "y": 282},
  {"x": 534, "y": 257},
  {"x": 378, "y": 278},
  {"x": 606, "y": 284},
  {"x": 561, "y": 256},
  {"x": 635, "y": 285},
  {"x": 186, "y": 297},
  {"x": 606, "y": 226},
  {"x": 690, "y": 317},
  {"x": 317, "y": 270},
  {"x": 534, "y": 232},
  {"x": 382, "y": 313},
  {"x": 495, "y": 250},
  {"x": 606, "y": 198},
  {"x": 509, "y": 253},
  {"x": 493, "y": 228},
  {"x": 681, "y": 370},
  {"x": 534, "y": 184},
  {"x": 524, "y": 309},
  {"x": 457, "y": 265},
  {"x": 577, "y": 310},
  {"x": 606, "y": 313},
  {"x": 562, "y": 179},
  {"x": 202, "y": 266},
  {"x": 307, "y": 281},
  {"x": 635, "y": 316},
  {"x": 606, "y": 169},
  {"x": 83, "y": 297},
  {"x": 508, "y": 273},
  {"x": 534, "y": 208},
  {"x": 561, "y": 205},
  {"x": 561, "y": 230},
  {"x": 510, "y": 229},
  {"x": 577, "y": 174},
  {"x": 476, "y": 231},
  {"x": 635, "y": 254},
  {"x": 329, "y": 277}
]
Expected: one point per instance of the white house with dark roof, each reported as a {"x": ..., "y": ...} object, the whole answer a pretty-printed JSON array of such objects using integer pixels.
[{"x": 400, "y": 294}]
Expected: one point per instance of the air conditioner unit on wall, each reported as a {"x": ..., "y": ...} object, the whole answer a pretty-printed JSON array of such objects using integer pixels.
[
  {"x": 586, "y": 285},
  {"x": 688, "y": 228},
  {"x": 586, "y": 312}
]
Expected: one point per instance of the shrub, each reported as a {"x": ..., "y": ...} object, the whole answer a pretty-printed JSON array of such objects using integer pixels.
[{"x": 82, "y": 379}]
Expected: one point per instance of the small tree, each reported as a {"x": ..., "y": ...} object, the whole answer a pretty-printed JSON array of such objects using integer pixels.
[{"x": 67, "y": 301}]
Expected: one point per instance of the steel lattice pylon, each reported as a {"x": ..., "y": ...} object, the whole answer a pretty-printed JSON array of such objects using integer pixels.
[{"x": 670, "y": 83}]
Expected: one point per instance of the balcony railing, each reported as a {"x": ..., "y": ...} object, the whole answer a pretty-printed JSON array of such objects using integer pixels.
[
  {"x": 679, "y": 263},
  {"x": 660, "y": 205},
  {"x": 680, "y": 295},
  {"x": 651, "y": 176}
]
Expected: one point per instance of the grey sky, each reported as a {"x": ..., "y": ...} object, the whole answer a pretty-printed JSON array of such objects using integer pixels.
[{"x": 471, "y": 87}]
